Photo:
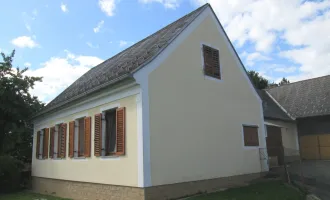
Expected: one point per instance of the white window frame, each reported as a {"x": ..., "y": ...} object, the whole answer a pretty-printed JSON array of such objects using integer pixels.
[
  {"x": 56, "y": 132},
  {"x": 76, "y": 136},
  {"x": 41, "y": 144},
  {"x": 103, "y": 110},
  {"x": 242, "y": 133},
  {"x": 202, "y": 63}
]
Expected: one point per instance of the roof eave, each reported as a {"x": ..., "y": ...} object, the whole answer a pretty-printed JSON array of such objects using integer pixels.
[{"x": 80, "y": 96}]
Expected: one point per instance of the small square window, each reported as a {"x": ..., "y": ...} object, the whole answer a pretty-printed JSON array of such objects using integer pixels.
[{"x": 251, "y": 138}]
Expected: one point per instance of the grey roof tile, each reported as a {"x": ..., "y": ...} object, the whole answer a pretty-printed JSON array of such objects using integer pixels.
[
  {"x": 124, "y": 63},
  {"x": 305, "y": 98},
  {"x": 271, "y": 109}
]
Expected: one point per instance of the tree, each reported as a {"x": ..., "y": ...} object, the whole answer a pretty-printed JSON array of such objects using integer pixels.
[
  {"x": 262, "y": 83},
  {"x": 258, "y": 81},
  {"x": 17, "y": 106},
  {"x": 283, "y": 81}
]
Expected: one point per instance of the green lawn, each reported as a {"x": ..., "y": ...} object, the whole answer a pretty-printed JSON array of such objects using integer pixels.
[
  {"x": 272, "y": 190},
  {"x": 28, "y": 196}
]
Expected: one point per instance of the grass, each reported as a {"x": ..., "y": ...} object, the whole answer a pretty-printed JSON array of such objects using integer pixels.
[
  {"x": 28, "y": 196},
  {"x": 272, "y": 190}
]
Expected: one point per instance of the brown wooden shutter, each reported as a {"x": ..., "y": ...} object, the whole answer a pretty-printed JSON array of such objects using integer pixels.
[
  {"x": 38, "y": 145},
  {"x": 71, "y": 138},
  {"x": 62, "y": 149},
  {"x": 51, "y": 143},
  {"x": 251, "y": 136},
  {"x": 120, "y": 128},
  {"x": 211, "y": 62},
  {"x": 87, "y": 137},
  {"x": 98, "y": 135},
  {"x": 45, "y": 143}
]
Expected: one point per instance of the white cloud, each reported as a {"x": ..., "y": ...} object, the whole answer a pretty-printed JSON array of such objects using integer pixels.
[
  {"x": 29, "y": 19},
  {"x": 98, "y": 27},
  {"x": 302, "y": 25},
  {"x": 59, "y": 72},
  {"x": 108, "y": 6},
  {"x": 35, "y": 12},
  {"x": 171, "y": 4},
  {"x": 64, "y": 7},
  {"x": 27, "y": 64},
  {"x": 28, "y": 27},
  {"x": 289, "y": 69},
  {"x": 24, "y": 41},
  {"x": 251, "y": 58},
  {"x": 122, "y": 43},
  {"x": 92, "y": 45}
]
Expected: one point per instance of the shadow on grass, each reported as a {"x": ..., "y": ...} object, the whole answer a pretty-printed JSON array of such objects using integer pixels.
[
  {"x": 28, "y": 196},
  {"x": 269, "y": 190}
]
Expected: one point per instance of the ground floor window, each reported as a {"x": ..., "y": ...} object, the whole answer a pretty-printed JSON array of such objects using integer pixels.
[{"x": 250, "y": 134}]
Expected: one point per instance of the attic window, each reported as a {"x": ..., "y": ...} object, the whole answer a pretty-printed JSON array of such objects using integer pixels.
[{"x": 211, "y": 62}]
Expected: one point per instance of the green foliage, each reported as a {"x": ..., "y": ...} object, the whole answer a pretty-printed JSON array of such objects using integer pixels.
[
  {"x": 17, "y": 105},
  {"x": 258, "y": 81},
  {"x": 262, "y": 83},
  {"x": 10, "y": 174},
  {"x": 284, "y": 81}
]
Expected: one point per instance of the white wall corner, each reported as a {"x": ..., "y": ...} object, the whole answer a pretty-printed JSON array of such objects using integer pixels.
[
  {"x": 141, "y": 76},
  {"x": 140, "y": 140}
]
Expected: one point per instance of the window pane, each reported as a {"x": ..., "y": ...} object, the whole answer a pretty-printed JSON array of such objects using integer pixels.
[
  {"x": 81, "y": 136},
  {"x": 110, "y": 118}
]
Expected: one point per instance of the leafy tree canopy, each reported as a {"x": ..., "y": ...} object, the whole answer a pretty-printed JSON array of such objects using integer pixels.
[
  {"x": 17, "y": 105},
  {"x": 262, "y": 83}
]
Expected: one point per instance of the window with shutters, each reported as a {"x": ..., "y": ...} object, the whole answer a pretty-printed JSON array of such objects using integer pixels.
[
  {"x": 251, "y": 138},
  {"x": 61, "y": 140},
  {"x": 55, "y": 140},
  {"x": 42, "y": 144},
  {"x": 79, "y": 138},
  {"x": 109, "y": 132},
  {"x": 211, "y": 62},
  {"x": 109, "y": 136}
]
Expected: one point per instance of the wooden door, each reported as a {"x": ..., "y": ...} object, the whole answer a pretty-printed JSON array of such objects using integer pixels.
[{"x": 274, "y": 143}]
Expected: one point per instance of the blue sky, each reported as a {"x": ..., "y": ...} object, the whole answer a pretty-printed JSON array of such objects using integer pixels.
[{"x": 61, "y": 40}]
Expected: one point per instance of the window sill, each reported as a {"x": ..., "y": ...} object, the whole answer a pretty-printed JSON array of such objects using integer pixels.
[
  {"x": 58, "y": 159},
  {"x": 110, "y": 157},
  {"x": 212, "y": 78},
  {"x": 79, "y": 158}
]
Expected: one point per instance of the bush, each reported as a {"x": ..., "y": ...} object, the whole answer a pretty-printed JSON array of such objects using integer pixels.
[{"x": 10, "y": 174}]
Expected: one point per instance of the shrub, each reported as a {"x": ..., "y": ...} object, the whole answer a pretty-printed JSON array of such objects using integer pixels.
[{"x": 10, "y": 174}]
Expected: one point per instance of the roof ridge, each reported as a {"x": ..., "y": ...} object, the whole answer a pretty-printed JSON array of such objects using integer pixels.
[
  {"x": 149, "y": 36},
  {"x": 309, "y": 79},
  {"x": 162, "y": 38}
]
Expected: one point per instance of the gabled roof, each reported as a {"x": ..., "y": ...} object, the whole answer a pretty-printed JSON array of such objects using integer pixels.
[
  {"x": 124, "y": 64},
  {"x": 271, "y": 109},
  {"x": 305, "y": 98}
]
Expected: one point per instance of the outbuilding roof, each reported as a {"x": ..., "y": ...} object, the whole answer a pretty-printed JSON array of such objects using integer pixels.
[
  {"x": 271, "y": 109},
  {"x": 305, "y": 98}
]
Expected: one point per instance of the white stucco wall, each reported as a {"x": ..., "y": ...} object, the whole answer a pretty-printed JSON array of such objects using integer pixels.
[
  {"x": 196, "y": 123},
  {"x": 122, "y": 170}
]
